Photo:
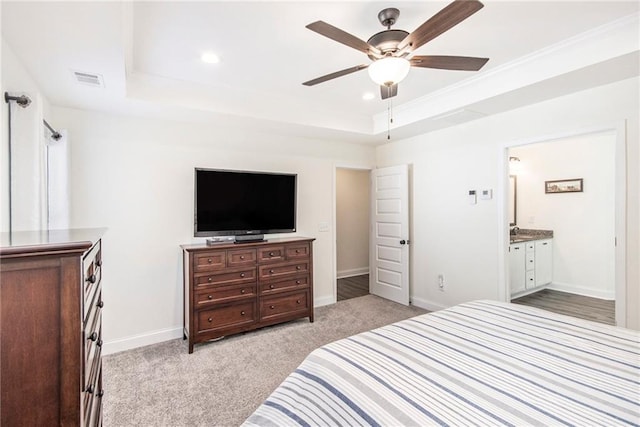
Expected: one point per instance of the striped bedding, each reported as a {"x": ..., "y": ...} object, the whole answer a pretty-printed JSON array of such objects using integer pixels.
[{"x": 479, "y": 363}]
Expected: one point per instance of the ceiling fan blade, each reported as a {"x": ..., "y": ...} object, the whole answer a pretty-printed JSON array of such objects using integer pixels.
[
  {"x": 442, "y": 21},
  {"x": 335, "y": 75},
  {"x": 343, "y": 37},
  {"x": 388, "y": 91},
  {"x": 464, "y": 63}
]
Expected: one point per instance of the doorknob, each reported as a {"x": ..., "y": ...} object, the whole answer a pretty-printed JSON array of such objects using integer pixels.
[{"x": 402, "y": 242}]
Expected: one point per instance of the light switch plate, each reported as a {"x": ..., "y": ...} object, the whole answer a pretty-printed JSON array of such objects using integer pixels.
[
  {"x": 472, "y": 197},
  {"x": 323, "y": 226},
  {"x": 486, "y": 194}
]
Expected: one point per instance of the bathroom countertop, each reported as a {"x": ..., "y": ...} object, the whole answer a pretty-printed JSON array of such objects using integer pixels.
[{"x": 527, "y": 235}]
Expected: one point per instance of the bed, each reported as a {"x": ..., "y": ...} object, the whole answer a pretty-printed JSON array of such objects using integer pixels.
[{"x": 479, "y": 363}]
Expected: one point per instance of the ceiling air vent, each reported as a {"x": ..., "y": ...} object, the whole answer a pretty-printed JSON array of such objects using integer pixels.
[{"x": 89, "y": 79}]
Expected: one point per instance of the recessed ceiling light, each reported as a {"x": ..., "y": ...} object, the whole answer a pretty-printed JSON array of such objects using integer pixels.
[
  {"x": 368, "y": 96},
  {"x": 210, "y": 58}
]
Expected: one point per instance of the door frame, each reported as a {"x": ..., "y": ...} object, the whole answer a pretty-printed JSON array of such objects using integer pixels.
[
  {"x": 620, "y": 227},
  {"x": 334, "y": 225}
]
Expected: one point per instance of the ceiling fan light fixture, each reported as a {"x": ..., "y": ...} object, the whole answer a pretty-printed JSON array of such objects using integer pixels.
[{"x": 389, "y": 70}]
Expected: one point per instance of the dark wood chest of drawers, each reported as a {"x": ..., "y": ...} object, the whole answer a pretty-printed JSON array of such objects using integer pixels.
[
  {"x": 232, "y": 288},
  {"x": 51, "y": 328}
]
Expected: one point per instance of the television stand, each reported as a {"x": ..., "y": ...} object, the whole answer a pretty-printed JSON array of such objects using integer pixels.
[{"x": 251, "y": 238}]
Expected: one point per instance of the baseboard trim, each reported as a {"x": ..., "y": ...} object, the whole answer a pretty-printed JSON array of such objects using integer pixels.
[
  {"x": 135, "y": 341},
  {"x": 155, "y": 337},
  {"x": 328, "y": 300},
  {"x": 579, "y": 290},
  {"x": 426, "y": 304},
  {"x": 353, "y": 272}
]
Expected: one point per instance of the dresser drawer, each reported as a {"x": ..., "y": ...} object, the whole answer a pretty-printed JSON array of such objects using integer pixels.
[
  {"x": 224, "y": 279},
  {"x": 225, "y": 317},
  {"x": 93, "y": 362},
  {"x": 91, "y": 275},
  {"x": 271, "y": 254},
  {"x": 283, "y": 305},
  {"x": 93, "y": 403},
  {"x": 92, "y": 346},
  {"x": 272, "y": 286},
  {"x": 283, "y": 270},
  {"x": 241, "y": 257},
  {"x": 221, "y": 294},
  {"x": 96, "y": 303},
  {"x": 209, "y": 261},
  {"x": 297, "y": 251}
]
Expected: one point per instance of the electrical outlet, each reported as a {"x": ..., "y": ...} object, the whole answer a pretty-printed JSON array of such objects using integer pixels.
[{"x": 441, "y": 281}]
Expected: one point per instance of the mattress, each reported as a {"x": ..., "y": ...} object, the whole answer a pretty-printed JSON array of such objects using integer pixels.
[{"x": 479, "y": 363}]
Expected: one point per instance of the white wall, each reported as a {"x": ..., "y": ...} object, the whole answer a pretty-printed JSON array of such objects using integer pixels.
[
  {"x": 583, "y": 223},
  {"x": 352, "y": 222},
  {"x": 135, "y": 177},
  {"x": 462, "y": 241}
]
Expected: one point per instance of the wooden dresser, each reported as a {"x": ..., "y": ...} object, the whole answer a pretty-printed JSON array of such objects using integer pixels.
[
  {"x": 50, "y": 328},
  {"x": 231, "y": 288}
]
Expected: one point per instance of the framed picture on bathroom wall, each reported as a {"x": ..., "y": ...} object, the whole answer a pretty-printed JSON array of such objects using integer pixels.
[{"x": 564, "y": 186}]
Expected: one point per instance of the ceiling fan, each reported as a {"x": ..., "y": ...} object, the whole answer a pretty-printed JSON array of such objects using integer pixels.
[{"x": 390, "y": 49}]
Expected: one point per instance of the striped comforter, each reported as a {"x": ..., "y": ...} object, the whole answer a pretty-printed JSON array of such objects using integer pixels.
[{"x": 479, "y": 363}]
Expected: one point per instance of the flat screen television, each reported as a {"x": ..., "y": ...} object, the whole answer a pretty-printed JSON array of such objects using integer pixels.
[{"x": 244, "y": 204}]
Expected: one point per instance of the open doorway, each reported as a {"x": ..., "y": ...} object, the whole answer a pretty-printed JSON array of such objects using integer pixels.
[
  {"x": 563, "y": 216},
  {"x": 352, "y": 232}
]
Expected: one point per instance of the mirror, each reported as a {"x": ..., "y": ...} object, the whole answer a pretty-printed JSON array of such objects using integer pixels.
[{"x": 513, "y": 193}]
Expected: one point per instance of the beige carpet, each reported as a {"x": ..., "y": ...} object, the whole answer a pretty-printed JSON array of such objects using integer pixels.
[{"x": 223, "y": 382}]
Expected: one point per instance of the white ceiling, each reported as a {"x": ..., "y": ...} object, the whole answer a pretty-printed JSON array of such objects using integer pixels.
[{"x": 149, "y": 56}]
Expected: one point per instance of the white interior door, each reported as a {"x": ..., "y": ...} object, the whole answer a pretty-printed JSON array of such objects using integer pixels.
[{"x": 389, "y": 254}]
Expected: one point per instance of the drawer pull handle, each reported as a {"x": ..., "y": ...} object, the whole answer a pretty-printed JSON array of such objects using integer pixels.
[
  {"x": 241, "y": 256},
  {"x": 93, "y": 336},
  {"x": 91, "y": 279},
  {"x": 209, "y": 296},
  {"x": 271, "y": 254},
  {"x": 210, "y": 319},
  {"x": 272, "y": 307},
  {"x": 242, "y": 291},
  {"x": 242, "y": 313},
  {"x": 209, "y": 260},
  {"x": 544, "y": 244},
  {"x": 298, "y": 267},
  {"x": 270, "y": 271},
  {"x": 271, "y": 286},
  {"x": 100, "y": 304},
  {"x": 297, "y": 282},
  {"x": 99, "y": 343},
  {"x": 241, "y": 274},
  {"x": 100, "y": 393},
  {"x": 90, "y": 389},
  {"x": 298, "y": 301},
  {"x": 210, "y": 279}
]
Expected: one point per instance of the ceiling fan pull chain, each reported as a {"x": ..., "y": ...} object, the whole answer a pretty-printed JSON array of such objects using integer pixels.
[{"x": 389, "y": 113}]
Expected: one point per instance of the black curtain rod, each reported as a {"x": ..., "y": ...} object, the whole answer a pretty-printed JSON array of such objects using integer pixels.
[
  {"x": 54, "y": 134},
  {"x": 24, "y": 102}
]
